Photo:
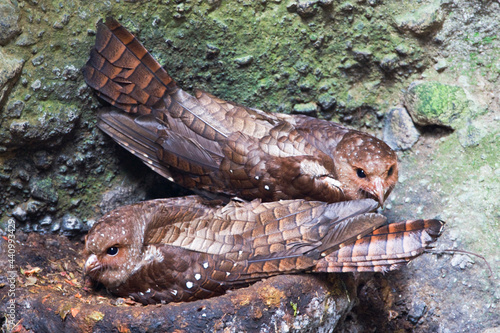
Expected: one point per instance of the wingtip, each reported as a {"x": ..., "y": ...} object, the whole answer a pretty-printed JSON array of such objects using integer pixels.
[{"x": 110, "y": 22}]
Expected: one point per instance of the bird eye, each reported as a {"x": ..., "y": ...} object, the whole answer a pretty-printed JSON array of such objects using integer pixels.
[
  {"x": 390, "y": 171},
  {"x": 112, "y": 251},
  {"x": 360, "y": 173}
]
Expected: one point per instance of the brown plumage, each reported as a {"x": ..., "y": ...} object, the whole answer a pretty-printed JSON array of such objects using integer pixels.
[
  {"x": 205, "y": 143},
  {"x": 183, "y": 249}
]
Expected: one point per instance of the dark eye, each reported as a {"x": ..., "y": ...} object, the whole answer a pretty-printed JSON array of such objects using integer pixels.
[
  {"x": 360, "y": 173},
  {"x": 390, "y": 171},
  {"x": 112, "y": 251}
]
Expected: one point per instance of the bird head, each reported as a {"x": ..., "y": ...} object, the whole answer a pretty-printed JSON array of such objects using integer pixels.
[
  {"x": 366, "y": 167},
  {"x": 113, "y": 248}
]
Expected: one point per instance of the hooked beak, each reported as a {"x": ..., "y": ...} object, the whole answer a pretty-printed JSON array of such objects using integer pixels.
[
  {"x": 379, "y": 191},
  {"x": 91, "y": 264}
]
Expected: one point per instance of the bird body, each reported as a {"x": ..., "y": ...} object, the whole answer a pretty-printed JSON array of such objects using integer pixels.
[
  {"x": 313, "y": 186},
  {"x": 208, "y": 144},
  {"x": 184, "y": 249}
]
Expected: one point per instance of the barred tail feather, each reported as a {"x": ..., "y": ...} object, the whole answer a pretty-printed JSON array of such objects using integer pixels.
[
  {"x": 123, "y": 72},
  {"x": 385, "y": 249}
]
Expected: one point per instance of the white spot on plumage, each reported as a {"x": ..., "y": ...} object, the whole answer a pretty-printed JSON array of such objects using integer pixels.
[
  {"x": 227, "y": 273},
  {"x": 148, "y": 291},
  {"x": 197, "y": 276},
  {"x": 152, "y": 253},
  {"x": 266, "y": 187},
  {"x": 205, "y": 264},
  {"x": 174, "y": 292},
  {"x": 189, "y": 284},
  {"x": 257, "y": 177}
]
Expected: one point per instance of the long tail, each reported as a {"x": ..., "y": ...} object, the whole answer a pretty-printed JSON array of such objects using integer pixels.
[
  {"x": 385, "y": 249},
  {"x": 123, "y": 72},
  {"x": 156, "y": 126}
]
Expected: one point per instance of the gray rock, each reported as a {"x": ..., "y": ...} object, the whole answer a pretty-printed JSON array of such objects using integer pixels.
[
  {"x": 326, "y": 101},
  {"x": 435, "y": 103},
  {"x": 53, "y": 121},
  {"x": 70, "y": 73},
  {"x": 10, "y": 69},
  {"x": 441, "y": 65},
  {"x": 43, "y": 189},
  {"x": 37, "y": 61},
  {"x": 399, "y": 131},
  {"x": 120, "y": 196},
  {"x": 9, "y": 18},
  {"x": 15, "y": 109},
  {"x": 43, "y": 160},
  {"x": 19, "y": 213},
  {"x": 26, "y": 39},
  {"x": 424, "y": 21},
  {"x": 71, "y": 224},
  {"x": 417, "y": 311},
  {"x": 307, "y": 8},
  {"x": 244, "y": 61},
  {"x": 389, "y": 62},
  {"x": 462, "y": 261},
  {"x": 36, "y": 85},
  {"x": 46, "y": 220},
  {"x": 212, "y": 51},
  {"x": 33, "y": 207}
]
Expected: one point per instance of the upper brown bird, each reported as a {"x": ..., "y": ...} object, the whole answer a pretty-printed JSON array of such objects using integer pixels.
[
  {"x": 205, "y": 143},
  {"x": 183, "y": 249}
]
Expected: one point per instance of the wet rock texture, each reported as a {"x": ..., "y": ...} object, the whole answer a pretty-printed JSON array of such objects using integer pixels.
[
  {"x": 427, "y": 73},
  {"x": 400, "y": 132}
]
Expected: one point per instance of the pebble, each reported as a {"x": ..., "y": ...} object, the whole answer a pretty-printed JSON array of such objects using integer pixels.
[
  {"x": 71, "y": 223},
  {"x": 19, "y": 213}
]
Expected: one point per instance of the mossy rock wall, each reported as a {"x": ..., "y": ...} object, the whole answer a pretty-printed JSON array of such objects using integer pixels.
[{"x": 346, "y": 61}]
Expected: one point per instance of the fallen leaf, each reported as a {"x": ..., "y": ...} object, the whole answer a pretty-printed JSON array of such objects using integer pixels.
[
  {"x": 96, "y": 316},
  {"x": 30, "y": 281},
  {"x": 64, "y": 310},
  {"x": 74, "y": 311},
  {"x": 31, "y": 271}
]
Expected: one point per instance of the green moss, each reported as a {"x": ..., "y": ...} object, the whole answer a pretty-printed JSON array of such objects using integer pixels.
[
  {"x": 474, "y": 180},
  {"x": 47, "y": 121},
  {"x": 434, "y": 103},
  {"x": 255, "y": 53}
]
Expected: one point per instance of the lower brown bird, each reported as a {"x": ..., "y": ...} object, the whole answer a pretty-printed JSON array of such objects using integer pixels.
[
  {"x": 184, "y": 249},
  {"x": 211, "y": 145}
]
